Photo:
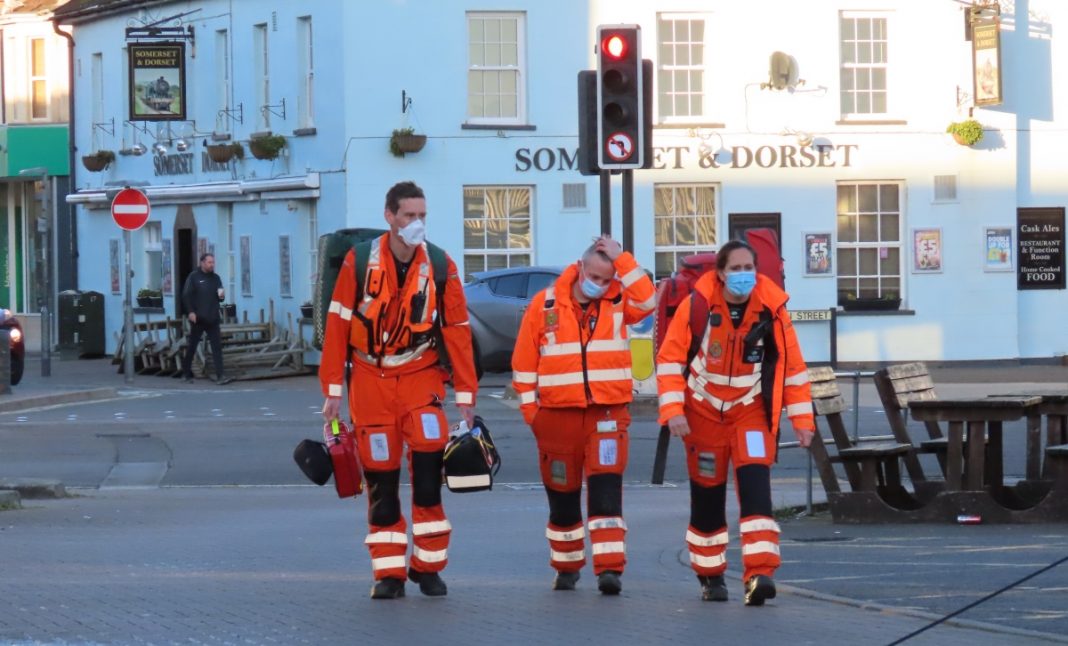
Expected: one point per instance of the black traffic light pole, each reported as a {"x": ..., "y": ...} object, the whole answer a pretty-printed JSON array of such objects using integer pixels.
[
  {"x": 606, "y": 202},
  {"x": 628, "y": 210}
]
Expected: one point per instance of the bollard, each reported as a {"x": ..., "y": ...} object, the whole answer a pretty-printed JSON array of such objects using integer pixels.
[{"x": 5, "y": 362}]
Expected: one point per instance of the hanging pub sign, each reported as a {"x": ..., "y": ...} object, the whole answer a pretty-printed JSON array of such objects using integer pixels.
[
  {"x": 157, "y": 81},
  {"x": 1040, "y": 250},
  {"x": 986, "y": 59}
]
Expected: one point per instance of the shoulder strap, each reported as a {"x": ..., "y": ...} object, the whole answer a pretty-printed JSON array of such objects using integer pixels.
[
  {"x": 439, "y": 265},
  {"x": 362, "y": 253},
  {"x": 699, "y": 312}
]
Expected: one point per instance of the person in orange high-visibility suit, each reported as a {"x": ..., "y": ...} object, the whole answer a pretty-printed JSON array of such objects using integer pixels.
[
  {"x": 572, "y": 372},
  {"x": 724, "y": 396},
  {"x": 397, "y": 389}
]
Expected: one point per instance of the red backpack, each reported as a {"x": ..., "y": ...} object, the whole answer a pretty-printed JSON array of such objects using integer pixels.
[{"x": 675, "y": 289}]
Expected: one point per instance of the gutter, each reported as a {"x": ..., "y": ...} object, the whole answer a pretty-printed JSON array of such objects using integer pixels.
[{"x": 278, "y": 188}]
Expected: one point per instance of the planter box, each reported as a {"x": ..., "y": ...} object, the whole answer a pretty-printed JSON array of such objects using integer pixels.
[
  {"x": 150, "y": 301},
  {"x": 307, "y": 311},
  {"x": 870, "y": 304}
]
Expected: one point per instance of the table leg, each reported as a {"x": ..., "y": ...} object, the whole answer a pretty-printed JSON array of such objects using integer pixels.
[
  {"x": 995, "y": 472},
  {"x": 1034, "y": 446},
  {"x": 954, "y": 455},
  {"x": 1055, "y": 430},
  {"x": 976, "y": 451}
]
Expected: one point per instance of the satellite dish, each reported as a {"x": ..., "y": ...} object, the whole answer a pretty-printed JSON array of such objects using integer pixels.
[{"x": 782, "y": 71}]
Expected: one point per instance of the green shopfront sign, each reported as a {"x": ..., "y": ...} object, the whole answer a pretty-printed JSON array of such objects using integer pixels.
[{"x": 34, "y": 147}]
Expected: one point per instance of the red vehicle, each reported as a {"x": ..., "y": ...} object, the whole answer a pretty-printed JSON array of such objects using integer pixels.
[{"x": 18, "y": 344}]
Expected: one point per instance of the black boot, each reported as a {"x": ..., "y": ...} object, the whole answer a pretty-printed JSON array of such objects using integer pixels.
[
  {"x": 713, "y": 588},
  {"x": 759, "y": 588},
  {"x": 430, "y": 583},
  {"x": 608, "y": 582},
  {"x": 565, "y": 580},
  {"x": 388, "y": 588}
]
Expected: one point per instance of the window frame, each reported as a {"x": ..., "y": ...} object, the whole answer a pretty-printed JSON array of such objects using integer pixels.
[
  {"x": 900, "y": 245},
  {"x": 222, "y": 80},
  {"x": 703, "y": 117},
  {"x": 485, "y": 252},
  {"x": 677, "y": 250},
  {"x": 521, "y": 117},
  {"x": 32, "y": 79},
  {"x": 306, "y": 72},
  {"x": 261, "y": 75},
  {"x": 891, "y": 86}
]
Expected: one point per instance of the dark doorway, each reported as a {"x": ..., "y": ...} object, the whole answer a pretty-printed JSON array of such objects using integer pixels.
[
  {"x": 185, "y": 252},
  {"x": 739, "y": 223}
]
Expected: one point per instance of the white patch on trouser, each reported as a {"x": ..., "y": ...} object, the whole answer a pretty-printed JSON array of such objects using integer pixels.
[
  {"x": 431, "y": 428},
  {"x": 608, "y": 453},
  {"x": 754, "y": 444},
  {"x": 379, "y": 447}
]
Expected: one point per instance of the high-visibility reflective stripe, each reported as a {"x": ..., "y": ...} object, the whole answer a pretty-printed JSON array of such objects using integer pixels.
[
  {"x": 800, "y": 379},
  {"x": 387, "y": 563},
  {"x": 525, "y": 377},
  {"x": 804, "y": 408},
  {"x": 617, "y": 325},
  {"x": 394, "y": 360},
  {"x": 697, "y": 383},
  {"x": 607, "y": 523},
  {"x": 550, "y": 294},
  {"x": 737, "y": 381},
  {"x": 672, "y": 398},
  {"x": 613, "y": 374},
  {"x": 468, "y": 322},
  {"x": 431, "y": 527},
  {"x": 346, "y": 313},
  {"x": 395, "y": 538},
  {"x": 608, "y": 345},
  {"x": 577, "y": 555},
  {"x": 560, "y": 349},
  {"x": 335, "y": 308},
  {"x": 565, "y": 379},
  {"x": 648, "y": 305},
  {"x": 669, "y": 369},
  {"x": 427, "y": 556},
  {"x": 759, "y": 525},
  {"x": 468, "y": 482},
  {"x": 334, "y": 390},
  {"x": 708, "y": 561},
  {"x": 528, "y": 397},
  {"x": 760, "y": 547},
  {"x": 719, "y": 538},
  {"x": 571, "y": 535},
  {"x": 464, "y": 397},
  {"x": 632, "y": 276},
  {"x": 612, "y": 547}
]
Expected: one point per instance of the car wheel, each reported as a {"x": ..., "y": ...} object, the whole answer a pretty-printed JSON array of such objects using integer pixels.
[{"x": 17, "y": 364}]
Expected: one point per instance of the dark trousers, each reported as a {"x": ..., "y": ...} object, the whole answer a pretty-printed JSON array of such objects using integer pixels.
[{"x": 193, "y": 340}]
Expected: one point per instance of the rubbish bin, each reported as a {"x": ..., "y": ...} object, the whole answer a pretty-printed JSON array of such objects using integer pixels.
[
  {"x": 91, "y": 329},
  {"x": 69, "y": 306}
]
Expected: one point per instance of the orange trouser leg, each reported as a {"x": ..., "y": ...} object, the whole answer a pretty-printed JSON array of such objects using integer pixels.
[
  {"x": 707, "y": 461},
  {"x": 753, "y": 452},
  {"x": 559, "y": 439},
  {"x": 607, "y": 447}
]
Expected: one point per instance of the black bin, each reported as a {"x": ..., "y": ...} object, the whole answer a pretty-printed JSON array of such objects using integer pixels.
[
  {"x": 91, "y": 319},
  {"x": 69, "y": 306}
]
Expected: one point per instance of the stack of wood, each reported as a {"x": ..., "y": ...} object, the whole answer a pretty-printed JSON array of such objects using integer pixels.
[{"x": 251, "y": 350}]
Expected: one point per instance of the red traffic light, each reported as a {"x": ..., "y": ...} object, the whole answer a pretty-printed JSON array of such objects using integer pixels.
[{"x": 615, "y": 46}]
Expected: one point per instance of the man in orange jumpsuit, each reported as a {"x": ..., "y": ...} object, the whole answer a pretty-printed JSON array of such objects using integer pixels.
[
  {"x": 728, "y": 366},
  {"x": 571, "y": 370},
  {"x": 388, "y": 321}
]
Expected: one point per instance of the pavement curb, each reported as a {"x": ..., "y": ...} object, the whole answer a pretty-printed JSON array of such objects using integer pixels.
[
  {"x": 52, "y": 399},
  {"x": 9, "y": 499},
  {"x": 34, "y": 488}
]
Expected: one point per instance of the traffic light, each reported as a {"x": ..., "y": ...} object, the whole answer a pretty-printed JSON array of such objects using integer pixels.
[{"x": 620, "y": 98}]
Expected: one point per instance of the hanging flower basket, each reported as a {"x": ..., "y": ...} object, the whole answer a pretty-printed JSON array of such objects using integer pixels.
[
  {"x": 267, "y": 147},
  {"x": 222, "y": 153},
  {"x": 406, "y": 141},
  {"x": 98, "y": 161},
  {"x": 966, "y": 133}
]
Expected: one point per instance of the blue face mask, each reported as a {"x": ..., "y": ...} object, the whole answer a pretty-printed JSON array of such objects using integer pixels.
[
  {"x": 590, "y": 289},
  {"x": 741, "y": 283}
]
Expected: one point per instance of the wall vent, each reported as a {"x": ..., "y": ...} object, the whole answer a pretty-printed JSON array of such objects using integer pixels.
[
  {"x": 574, "y": 196},
  {"x": 945, "y": 188}
]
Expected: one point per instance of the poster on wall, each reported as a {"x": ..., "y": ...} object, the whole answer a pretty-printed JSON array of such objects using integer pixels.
[
  {"x": 818, "y": 254},
  {"x": 285, "y": 276},
  {"x": 926, "y": 250},
  {"x": 1040, "y": 248},
  {"x": 246, "y": 265},
  {"x": 997, "y": 243},
  {"x": 157, "y": 81},
  {"x": 113, "y": 256},
  {"x": 986, "y": 60},
  {"x": 167, "y": 283}
]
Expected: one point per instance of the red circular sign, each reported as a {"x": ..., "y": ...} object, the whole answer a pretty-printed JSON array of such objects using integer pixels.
[{"x": 130, "y": 209}]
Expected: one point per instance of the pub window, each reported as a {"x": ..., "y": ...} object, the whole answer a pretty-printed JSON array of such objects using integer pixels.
[
  {"x": 863, "y": 61},
  {"x": 306, "y": 81},
  {"x": 497, "y": 231},
  {"x": 680, "y": 40},
  {"x": 261, "y": 75},
  {"x": 869, "y": 245},
  {"x": 684, "y": 218},
  {"x": 152, "y": 243},
  {"x": 38, "y": 80},
  {"x": 222, "y": 80},
  {"x": 496, "y": 72}
]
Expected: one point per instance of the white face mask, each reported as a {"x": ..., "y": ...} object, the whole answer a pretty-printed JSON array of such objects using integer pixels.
[{"x": 414, "y": 234}]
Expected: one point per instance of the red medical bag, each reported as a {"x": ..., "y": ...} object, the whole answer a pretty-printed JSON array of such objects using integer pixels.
[{"x": 341, "y": 444}]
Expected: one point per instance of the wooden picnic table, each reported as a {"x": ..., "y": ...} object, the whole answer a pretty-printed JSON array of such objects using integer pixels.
[{"x": 983, "y": 416}]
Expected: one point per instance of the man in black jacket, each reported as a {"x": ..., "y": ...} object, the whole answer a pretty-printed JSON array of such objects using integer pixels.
[{"x": 201, "y": 295}]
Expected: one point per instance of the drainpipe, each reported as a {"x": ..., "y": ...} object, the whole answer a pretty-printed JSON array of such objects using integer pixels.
[{"x": 72, "y": 222}]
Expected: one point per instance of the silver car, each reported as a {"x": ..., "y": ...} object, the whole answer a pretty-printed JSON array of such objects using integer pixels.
[{"x": 496, "y": 302}]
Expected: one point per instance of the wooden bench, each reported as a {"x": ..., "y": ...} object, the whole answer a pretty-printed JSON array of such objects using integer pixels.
[{"x": 870, "y": 468}]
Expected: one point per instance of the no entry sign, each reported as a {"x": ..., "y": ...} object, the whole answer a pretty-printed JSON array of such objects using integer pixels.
[{"x": 130, "y": 209}]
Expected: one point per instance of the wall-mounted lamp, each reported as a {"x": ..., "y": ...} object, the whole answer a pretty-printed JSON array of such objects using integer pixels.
[
  {"x": 159, "y": 149},
  {"x": 804, "y": 139},
  {"x": 181, "y": 145},
  {"x": 138, "y": 149}
]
